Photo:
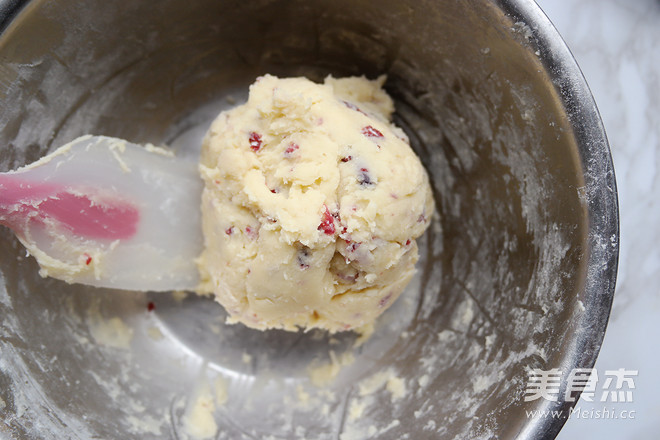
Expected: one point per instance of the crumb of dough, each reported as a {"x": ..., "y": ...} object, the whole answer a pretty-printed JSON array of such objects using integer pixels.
[
  {"x": 198, "y": 420},
  {"x": 154, "y": 333},
  {"x": 356, "y": 409},
  {"x": 303, "y": 396},
  {"x": 323, "y": 375},
  {"x": 111, "y": 332},
  {"x": 383, "y": 379},
  {"x": 246, "y": 358},
  {"x": 312, "y": 204},
  {"x": 179, "y": 295},
  {"x": 220, "y": 387},
  {"x": 162, "y": 150},
  {"x": 215, "y": 329},
  {"x": 365, "y": 332},
  {"x": 396, "y": 386}
]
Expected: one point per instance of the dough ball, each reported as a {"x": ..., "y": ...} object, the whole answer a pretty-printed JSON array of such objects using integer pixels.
[{"x": 312, "y": 203}]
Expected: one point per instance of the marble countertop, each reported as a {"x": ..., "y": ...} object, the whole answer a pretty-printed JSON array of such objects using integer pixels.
[{"x": 617, "y": 45}]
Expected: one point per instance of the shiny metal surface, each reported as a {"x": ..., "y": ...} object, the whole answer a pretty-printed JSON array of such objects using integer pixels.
[{"x": 517, "y": 272}]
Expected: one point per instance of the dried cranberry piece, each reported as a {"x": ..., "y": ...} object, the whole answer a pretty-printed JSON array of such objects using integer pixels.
[
  {"x": 346, "y": 158},
  {"x": 251, "y": 233},
  {"x": 327, "y": 222},
  {"x": 354, "y": 107},
  {"x": 291, "y": 148},
  {"x": 348, "y": 278},
  {"x": 352, "y": 246},
  {"x": 383, "y": 301},
  {"x": 304, "y": 257},
  {"x": 255, "y": 141},
  {"x": 364, "y": 178},
  {"x": 370, "y": 131},
  {"x": 229, "y": 230},
  {"x": 151, "y": 306}
]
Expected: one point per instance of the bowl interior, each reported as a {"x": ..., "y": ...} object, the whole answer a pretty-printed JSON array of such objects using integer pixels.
[{"x": 500, "y": 287}]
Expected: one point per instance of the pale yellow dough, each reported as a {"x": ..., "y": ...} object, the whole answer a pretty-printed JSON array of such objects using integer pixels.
[{"x": 311, "y": 207}]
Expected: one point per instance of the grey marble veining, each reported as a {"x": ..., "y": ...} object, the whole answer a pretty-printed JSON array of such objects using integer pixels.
[{"x": 617, "y": 45}]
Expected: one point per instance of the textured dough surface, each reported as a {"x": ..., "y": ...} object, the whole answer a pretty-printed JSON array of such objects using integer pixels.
[{"x": 312, "y": 204}]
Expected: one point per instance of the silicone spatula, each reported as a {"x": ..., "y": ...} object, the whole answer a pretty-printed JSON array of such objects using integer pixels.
[{"x": 108, "y": 213}]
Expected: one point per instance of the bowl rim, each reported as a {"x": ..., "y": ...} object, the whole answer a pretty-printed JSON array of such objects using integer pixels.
[
  {"x": 599, "y": 196},
  {"x": 9, "y": 9}
]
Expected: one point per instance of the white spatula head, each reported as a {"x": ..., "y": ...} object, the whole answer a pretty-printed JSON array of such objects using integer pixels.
[{"x": 108, "y": 213}]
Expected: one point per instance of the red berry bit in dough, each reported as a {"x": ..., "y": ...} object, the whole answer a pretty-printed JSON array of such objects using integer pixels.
[
  {"x": 229, "y": 230},
  {"x": 303, "y": 258},
  {"x": 408, "y": 242},
  {"x": 291, "y": 149},
  {"x": 421, "y": 218},
  {"x": 255, "y": 141},
  {"x": 88, "y": 259},
  {"x": 383, "y": 301},
  {"x": 364, "y": 178},
  {"x": 151, "y": 306},
  {"x": 252, "y": 234},
  {"x": 350, "y": 279},
  {"x": 346, "y": 158},
  {"x": 327, "y": 222},
  {"x": 371, "y": 132},
  {"x": 354, "y": 107},
  {"x": 352, "y": 246}
]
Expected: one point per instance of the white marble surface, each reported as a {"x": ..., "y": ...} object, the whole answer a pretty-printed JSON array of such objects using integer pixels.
[{"x": 617, "y": 45}]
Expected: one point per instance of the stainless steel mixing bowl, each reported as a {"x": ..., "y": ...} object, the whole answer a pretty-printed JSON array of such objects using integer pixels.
[{"x": 517, "y": 272}]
